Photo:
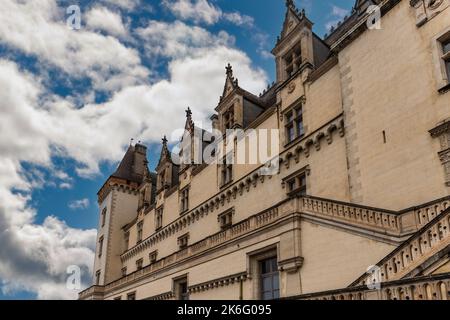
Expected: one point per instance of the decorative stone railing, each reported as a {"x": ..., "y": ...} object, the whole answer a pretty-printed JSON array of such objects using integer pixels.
[
  {"x": 92, "y": 293},
  {"x": 431, "y": 239},
  {"x": 377, "y": 219},
  {"x": 435, "y": 287}
]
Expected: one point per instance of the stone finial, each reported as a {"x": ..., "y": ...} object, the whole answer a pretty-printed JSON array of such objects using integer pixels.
[
  {"x": 164, "y": 141},
  {"x": 290, "y": 4},
  {"x": 188, "y": 113},
  {"x": 229, "y": 69}
]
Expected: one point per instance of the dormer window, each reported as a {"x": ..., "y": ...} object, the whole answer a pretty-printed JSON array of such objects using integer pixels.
[
  {"x": 292, "y": 61},
  {"x": 228, "y": 118},
  {"x": 140, "y": 227}
]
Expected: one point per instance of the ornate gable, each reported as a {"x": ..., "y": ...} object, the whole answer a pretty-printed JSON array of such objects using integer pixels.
[
  {"x": 165, "y": 154},
  {"x": 292, "y": 19},
  {"x": 230, "y": 83}
]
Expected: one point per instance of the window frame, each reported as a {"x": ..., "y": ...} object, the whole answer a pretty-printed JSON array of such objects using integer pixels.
[
  {"x": 139, "y": 231},
  {"x": 183, "y": 241},
  {"x": 153, "y": 256},
  {"x": 184, "y": 200},
  {"x": 104, "y": 216},
  {"x": 124, "y": 271},
  {"x": 131, "y": 295},
  {"x": 97, "y": 277},
  {"x": 293, "y": 120},
  {"x": 139, "y": 264},
  {"x": 159, "y": 214},
  {"x": 176, "y": 287},
  {"x": 269, "y": 275},
  {"x": 100, "y": 246},
  {"x": 292, "y": 183},
  {"x": 226, "y": 219}
]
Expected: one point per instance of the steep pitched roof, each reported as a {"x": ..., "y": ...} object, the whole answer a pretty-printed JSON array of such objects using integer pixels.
[{"x": 128, "y": 168}]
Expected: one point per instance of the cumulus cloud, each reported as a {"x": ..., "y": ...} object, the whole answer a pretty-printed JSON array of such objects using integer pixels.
[
  {"x": 38, "y": 28},
  {"x": 37, "y": 125},
  {"x": 101, "y": 18},
  {"x": 79, "y": 204},
  {"x": 203, "y": 11},
  {"x": 195, "y": 10},
  {"x": 124, "y": 4}
]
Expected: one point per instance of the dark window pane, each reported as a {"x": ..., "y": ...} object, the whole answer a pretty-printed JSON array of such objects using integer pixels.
[
  {"x": 274, "y": 265},
  {"x": 267, "y": 296},
  {"x": 300, "y": 129},
  {"x": 276, "y": 294},
  {"x": 276, "y": 282},
  {"x": 290, "y": 133},
  {"x": 267, "y": 284},
  {"x": 446, "y": 46},
  {"x": 447, "y": 65}
]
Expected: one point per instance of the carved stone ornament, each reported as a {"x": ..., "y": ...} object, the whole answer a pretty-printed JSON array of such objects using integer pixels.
[
  {"x": 291, "y": 87},
  {"x": 427, "y": 9}
]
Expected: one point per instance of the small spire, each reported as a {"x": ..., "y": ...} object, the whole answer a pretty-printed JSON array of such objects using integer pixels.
[
  {"x": 229, "y": 69},
  {"x": 164, "y": 141},
  {"x": 290, "y": 4},
  {"x": 188, "y": 113},
  {"x": 131, "y": 141}
]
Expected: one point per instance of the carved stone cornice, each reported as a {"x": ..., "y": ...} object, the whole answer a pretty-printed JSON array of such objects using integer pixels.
[
  {"x": 220, "y": 282},
  {"x": 440, "y": 129}
]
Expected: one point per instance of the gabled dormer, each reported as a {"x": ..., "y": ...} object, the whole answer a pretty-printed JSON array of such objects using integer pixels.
[
  {"x": 192, "y": 144},
  {"x": 237, "y": 107},
  {"x": 294, "y": 48},
  {"x": 166, "y": 170}
]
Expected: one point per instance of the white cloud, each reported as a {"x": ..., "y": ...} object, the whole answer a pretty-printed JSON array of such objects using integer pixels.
[
  {"x": 124, "y": 4},
  {"x": 101, "y": 18},
  {"x": 79, "y": 204},
  {"x": 195, "y": 10},
  {"x": 203, "y": 11},
  {"x": 239, "y": 19},
  {"x": 38, "y": 28}
]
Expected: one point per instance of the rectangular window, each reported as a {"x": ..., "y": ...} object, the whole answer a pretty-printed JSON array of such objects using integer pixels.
[
  {"x": 124, "y": 271},
  {"x": 270, "y": 286},
  {"x": 103, "y": 217},
  {"x": 153, "y": 256},
  {"x": 97, "y": 278},
  {"x": 131, "y": 296},
  {"x": 184, "y": 200},
  {"x": 446, "y": 57},
  {"x": 140, "y": 226},
  {"x": 296, "y": 183},
  {"x": 159, "y": 218},
  {"x": 294, "y": 124},
  {"x": 226, "y": 171},
  {"x": 126, "y": 241},
  {"x": 226, "y": 219},
  {"x": 183, "y": 241},
  {"x": 100, "y": 246},
  {"x": 181, "y": 289},
  {"x": 139, "y": 264}
]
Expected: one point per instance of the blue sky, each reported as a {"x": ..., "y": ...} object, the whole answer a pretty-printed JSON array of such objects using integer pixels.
[{"x": 71, "y": 100}]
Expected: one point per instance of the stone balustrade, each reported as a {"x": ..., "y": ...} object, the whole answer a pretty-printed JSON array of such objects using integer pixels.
[
  {"x": 434, "y": 287},
  {"x": 434, "y": 237}
]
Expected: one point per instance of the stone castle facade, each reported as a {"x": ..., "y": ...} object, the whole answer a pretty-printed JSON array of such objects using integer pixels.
[{"x": 359, "y": 206}]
